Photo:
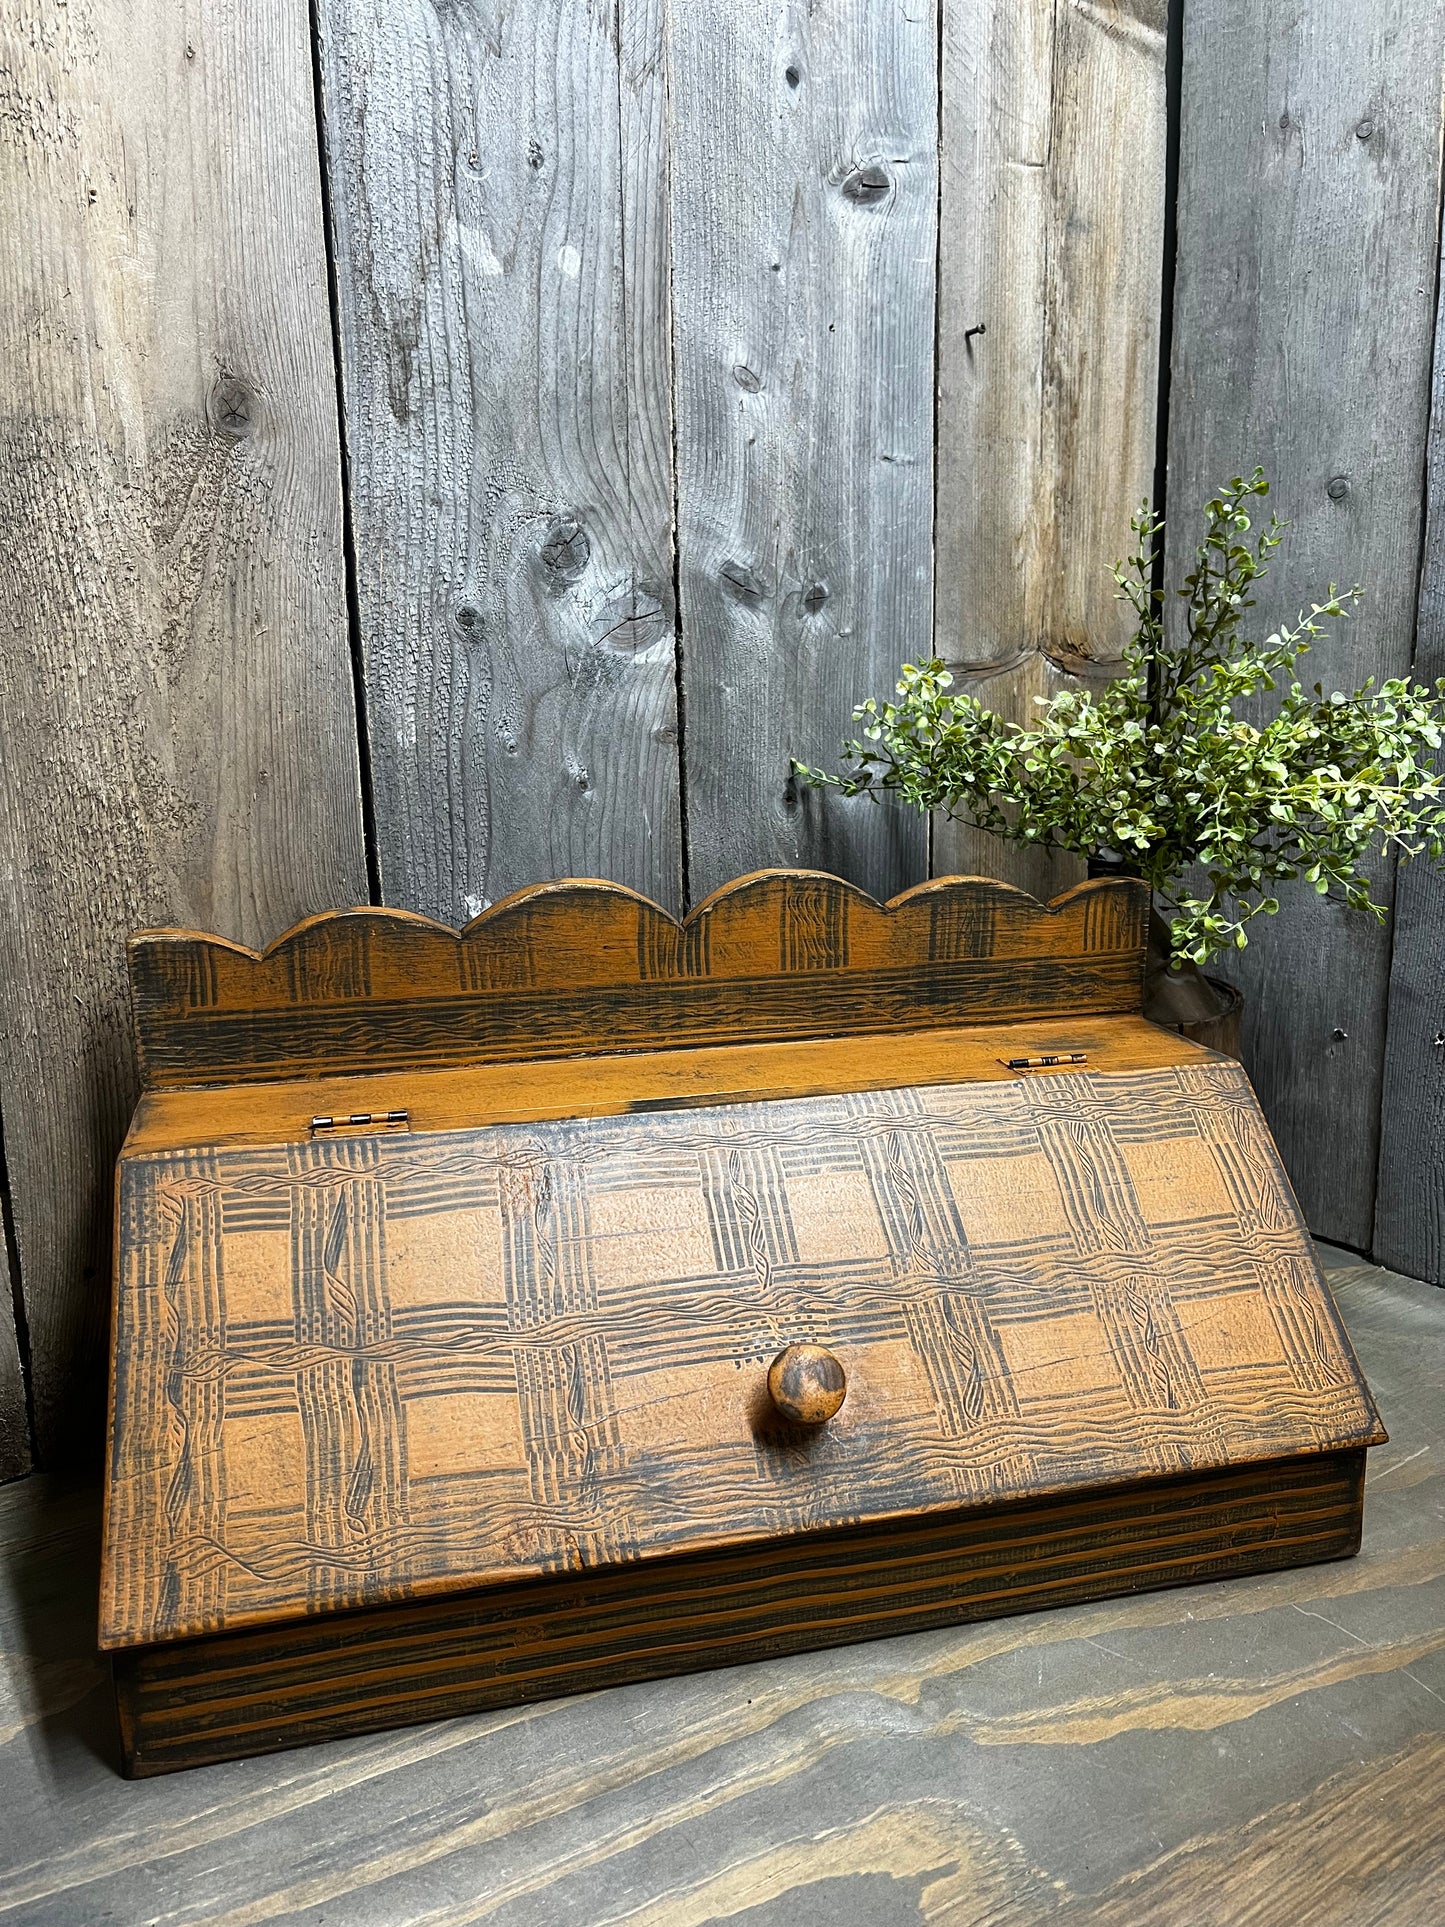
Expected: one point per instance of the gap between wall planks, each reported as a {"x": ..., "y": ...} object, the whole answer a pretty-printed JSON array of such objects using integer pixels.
[
  {"x": 15, "y": 1455},
  {"x": 1052, "y": 216},
  {"x": 175, "y": 688},
  {"x": 499, "y": 236},
  {"x": 1304, "y": 310},
  {"x": 1410, "y": 1195},
  {"x": 803, "y": 201}
]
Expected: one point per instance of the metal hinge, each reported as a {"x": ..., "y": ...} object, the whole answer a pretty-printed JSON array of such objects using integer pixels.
[
  {"x": 363, "y": 1121},
  {"x": 1062, "y": 1060}
]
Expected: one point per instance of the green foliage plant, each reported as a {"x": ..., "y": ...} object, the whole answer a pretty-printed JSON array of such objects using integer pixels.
[{"x": 1160, "y": 772}]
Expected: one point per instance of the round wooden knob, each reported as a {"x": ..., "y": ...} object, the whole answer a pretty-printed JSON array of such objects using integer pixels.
[{"x": 807, "y": 1384}]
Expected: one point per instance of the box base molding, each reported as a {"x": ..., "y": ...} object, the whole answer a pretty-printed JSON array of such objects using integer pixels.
[{"x": 198, "y": 1701}]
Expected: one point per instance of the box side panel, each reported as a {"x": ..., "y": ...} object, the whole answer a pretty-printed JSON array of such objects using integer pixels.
[{"x": 213, "y": 1699}]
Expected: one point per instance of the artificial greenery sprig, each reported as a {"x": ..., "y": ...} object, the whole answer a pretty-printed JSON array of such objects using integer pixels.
[{"x": 1158, "y": 769}]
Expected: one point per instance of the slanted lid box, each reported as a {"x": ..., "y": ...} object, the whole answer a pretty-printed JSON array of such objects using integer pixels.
[{"x": 450, "y": 1270}]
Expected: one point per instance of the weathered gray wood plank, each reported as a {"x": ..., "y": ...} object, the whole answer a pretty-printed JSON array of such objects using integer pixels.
[
  {"x": 1308, "y": 210},
  {"x": 175, "y": 686},
  {"x": 1053, "y": 167},
  {"x": 1409, "y": 1230},
  {"x": 803, "y": 153},
  {"x": 1269, "y": 1750},
  {"x": 495, "y": 178}
]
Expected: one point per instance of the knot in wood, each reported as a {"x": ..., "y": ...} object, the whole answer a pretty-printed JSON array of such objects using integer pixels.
[
  {"x": 807, "y": 1384},
  {"x": 233, "y": 406},
  {"x": 746, "y": 377},
  {"x": 1339, "y": 488},
  {"x": 633, "y": 624},
  {"x": 742, "y": 580},
  {"x": 814, "y": 598},
  {"x": 565, "y": 547},
  {"x": 868, "y": 184}
]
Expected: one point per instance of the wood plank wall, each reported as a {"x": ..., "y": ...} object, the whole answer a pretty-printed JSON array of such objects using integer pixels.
[
  {"x": 804, "y": 151},
  {"x": 500, "y": 250},
  {"x": 177, "y": 733},
  {"x": 1050, "y": 295},
  {"x": 1308, "y": 205},
  {"x": 674, "y": 374}
]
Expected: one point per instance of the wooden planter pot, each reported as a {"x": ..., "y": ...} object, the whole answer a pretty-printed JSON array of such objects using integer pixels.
[{"x": 1220, "y": 1032}]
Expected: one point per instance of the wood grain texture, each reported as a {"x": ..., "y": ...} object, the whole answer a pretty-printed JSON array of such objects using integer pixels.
[
  {"x": 501, "y": 265},
  {"x": 175, "y": 685},
  {"x": 365, "y": 1370},
  {"x": 195, "y": 1702},
  {"x": 1267, "y": 1749},
  {"x": 1308, "y": 218},
  {"x": 1052, "y": 211},
  {"x": 583, "y": 966},
  {"x": 804, "y": 225},
  {"x": 1409, "y": 1228}
]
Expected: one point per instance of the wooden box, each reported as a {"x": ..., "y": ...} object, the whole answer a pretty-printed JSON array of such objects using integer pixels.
[{"x": 450, "y": 1269}]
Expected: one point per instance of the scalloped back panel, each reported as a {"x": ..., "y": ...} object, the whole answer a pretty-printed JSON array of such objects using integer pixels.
[{"x": 582, "y": 968}]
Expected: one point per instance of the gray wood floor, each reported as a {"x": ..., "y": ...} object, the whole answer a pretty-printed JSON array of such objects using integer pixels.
[{"x": 1262, "y": 1753}]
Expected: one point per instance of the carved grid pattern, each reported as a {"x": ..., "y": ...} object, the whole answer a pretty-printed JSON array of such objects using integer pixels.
[{"x": 357, "y": 1369}]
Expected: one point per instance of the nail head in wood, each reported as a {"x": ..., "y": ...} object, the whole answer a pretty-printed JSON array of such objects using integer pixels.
[{"x": 807, "y": 1384}]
